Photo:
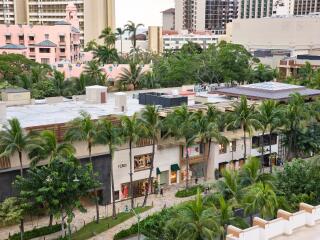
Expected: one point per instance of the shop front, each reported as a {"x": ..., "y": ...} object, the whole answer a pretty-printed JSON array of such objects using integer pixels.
[{"x": 140, "y": 188}]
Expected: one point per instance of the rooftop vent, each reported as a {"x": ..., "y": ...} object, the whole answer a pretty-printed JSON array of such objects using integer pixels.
[
  {"x": 96, "y": 94},
  {"x": 120, "y": 101}
]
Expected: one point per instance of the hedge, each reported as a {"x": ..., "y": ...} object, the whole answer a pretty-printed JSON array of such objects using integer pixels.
[
  {"x": 37, "y": 232},
  {"x": 189, "y": 192}
]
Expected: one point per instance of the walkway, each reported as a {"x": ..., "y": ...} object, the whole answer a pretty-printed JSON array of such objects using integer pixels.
[{"x": 83, "y": 218}]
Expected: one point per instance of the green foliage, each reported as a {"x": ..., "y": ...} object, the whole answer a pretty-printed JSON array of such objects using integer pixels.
[
  {"x": 43, "y": 89},
  {"x": 11, "y": 211},
  {"x": 37, "y": 232},
  {"x": 189, "y": 192}
]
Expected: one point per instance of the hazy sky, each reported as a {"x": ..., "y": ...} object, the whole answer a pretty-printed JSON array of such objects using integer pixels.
[{"x": 141, "y": 11}]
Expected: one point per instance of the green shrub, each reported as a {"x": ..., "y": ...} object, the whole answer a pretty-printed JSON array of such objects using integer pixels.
[
  {"x": 126, "y": 233},
  {"x": 37, "y": 232},
  {"x": 189, "y": 192}
]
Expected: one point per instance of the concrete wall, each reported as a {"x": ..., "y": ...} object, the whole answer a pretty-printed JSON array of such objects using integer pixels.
[{"x": 168, "y": 21}]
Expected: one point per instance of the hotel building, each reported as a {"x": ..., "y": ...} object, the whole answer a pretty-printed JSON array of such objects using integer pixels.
[
  {"x": 44, "y": 44},
  {"x": 94, "y": 16}
]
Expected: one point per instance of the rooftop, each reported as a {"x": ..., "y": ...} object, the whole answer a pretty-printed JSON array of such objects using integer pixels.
[
  {"x": 14, "y": 90},
  {"x": 46, "y": 43},
  {"x": 170, "y": 10},
  {"x": 267, "y": 90},
  {"x": 13, "y": 46}
]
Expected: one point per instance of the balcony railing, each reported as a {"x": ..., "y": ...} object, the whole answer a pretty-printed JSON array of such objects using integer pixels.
[{"x": 5, "y": 163}]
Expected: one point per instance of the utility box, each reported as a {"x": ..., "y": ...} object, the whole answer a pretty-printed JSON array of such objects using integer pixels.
[
  {"x": 96, "y": 94},
  {"x": 120, "y": 101},
  {"x": 16, "y": 96}
]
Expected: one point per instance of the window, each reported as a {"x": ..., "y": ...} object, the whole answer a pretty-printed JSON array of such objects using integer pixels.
[
  {"x": 31, "y": 38},
  {"x": 255, "y": 141},
  {"x": 222, "y": 148},
  {"x": 8, "y": 38},
  {"x": 233, "y": 146},
  {"x": 46, "y": 36},
  {"x": 45, "y": 60},
  {"x": 142, "y": 162},
  {"x": 21, "y": 38},
  {"x": 62, "y": 50},
  {"x": 62, "y": 39},
  {"x": 44, "y": 50},
  {"x": 32, "y": 50}
]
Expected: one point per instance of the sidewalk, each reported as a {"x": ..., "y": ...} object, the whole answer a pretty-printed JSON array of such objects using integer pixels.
[{"x": 83, "y": 218}]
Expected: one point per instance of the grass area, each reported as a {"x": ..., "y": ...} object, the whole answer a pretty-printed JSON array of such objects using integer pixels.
[
  {"x": 189, "y": 192},
  {"x": 92, "y": 229}
]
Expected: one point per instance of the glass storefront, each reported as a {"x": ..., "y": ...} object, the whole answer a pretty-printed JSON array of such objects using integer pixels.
[{"x": 139, "y": 189}]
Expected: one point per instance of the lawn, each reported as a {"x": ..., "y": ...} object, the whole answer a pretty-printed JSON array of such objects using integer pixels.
[{"x": 92, "y": 229}]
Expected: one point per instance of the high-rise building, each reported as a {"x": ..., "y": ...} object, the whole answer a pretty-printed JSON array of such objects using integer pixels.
[
  {"x": 93, "y": 16},
  {"x": 155, "y": 40},
  {"x": 304, "y": 7},
  {"x": 255, "y": 8},
  {"x": 204, "y": 15},
  {"x": 168, "y": 19}
]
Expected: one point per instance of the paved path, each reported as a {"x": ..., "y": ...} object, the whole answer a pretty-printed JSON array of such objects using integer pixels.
[{"x": 83, "y": 218}]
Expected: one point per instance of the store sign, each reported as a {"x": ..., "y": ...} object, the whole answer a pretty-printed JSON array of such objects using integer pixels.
[{"x": 123, "y": 165}]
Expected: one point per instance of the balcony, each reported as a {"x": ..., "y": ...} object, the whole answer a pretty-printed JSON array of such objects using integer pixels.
[
  {"x": 5, "y": 163},
  {"x": 194, "y": 159},
  {"x": 31, "y": 42},
  {"x": 62, "y": 43}
]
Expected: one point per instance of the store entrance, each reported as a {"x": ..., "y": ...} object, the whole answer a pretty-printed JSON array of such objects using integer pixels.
[{"x": 139, "y": 188}]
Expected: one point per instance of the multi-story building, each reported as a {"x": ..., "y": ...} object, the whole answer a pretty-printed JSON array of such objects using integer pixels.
[
  {"x": 168, "y": 19},
  {"x": 298, "y": 34},
  {"x": 176, "y": 41},
  {"x": 44, "y": 44},
  {"x": 255, "y": 8},
  {"x": 201, "y": 15},
  {"x": 155, "y": 40},
  {"x": 94, "y": 16},
  {"x": 170, "y": 153},
  {"x": 304, "y": 7}
]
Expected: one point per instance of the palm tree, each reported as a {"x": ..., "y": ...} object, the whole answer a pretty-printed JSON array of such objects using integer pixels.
[
  {"x": 270, "y": 118},
  {"x": 294, "y": 114},
  {"x": 108, "y": 37},
  {"x": 83, "y": 128},
  {"x": 106, "y": 55},
  {"x": 151, "y": 124},
  {"x": 180, "y": 124},
  {"x": 132, "y": 28},
  {"x": 59, "y": 82},
  {"x": 196, "y": 221},
  {"x": 132, "y": 75},
  {"x": 262, "y": 73},
  {"x": 13, "y": 139},
  {"x": 207, "y": 128},
  {"x": 245, "y": 116},
  {"x": 93, "y": 71},
  {"x": 110, "y": 136},
  {"x": 119, "y": 33},
  {"x": 261, "y": 198},
  {"x": 131, "y": 131},
  {"x": 39, "y": 73},
  {"x": 48, "y": 147}
]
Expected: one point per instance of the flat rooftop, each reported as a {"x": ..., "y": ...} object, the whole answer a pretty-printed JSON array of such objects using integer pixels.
[
  {"x": 56, "y": 113},
  {"x": 267, "y": 90},
  {"x": 311, "y": 233}
]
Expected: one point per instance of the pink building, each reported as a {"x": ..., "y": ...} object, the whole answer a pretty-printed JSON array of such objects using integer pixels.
[{"x": 44, "y": 44}]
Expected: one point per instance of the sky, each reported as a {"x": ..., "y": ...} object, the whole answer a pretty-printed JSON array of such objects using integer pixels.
[{"x": 147, "y": 12}]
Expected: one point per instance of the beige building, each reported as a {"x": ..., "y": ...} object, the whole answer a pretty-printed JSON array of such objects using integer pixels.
[
  {"x": 155, "y": 40},
  {"x": 93, "y": 16},
  {"x": 168, "y": 19},
  {"x": 298, "y": 34}
]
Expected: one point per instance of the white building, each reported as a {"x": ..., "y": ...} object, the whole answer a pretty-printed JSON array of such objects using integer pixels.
[{"x": 175, "y": 42}]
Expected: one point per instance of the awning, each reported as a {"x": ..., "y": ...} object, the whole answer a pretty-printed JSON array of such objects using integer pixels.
[
  {"x": 158, "y": 171},
  {"x": 175, "y": 167}
]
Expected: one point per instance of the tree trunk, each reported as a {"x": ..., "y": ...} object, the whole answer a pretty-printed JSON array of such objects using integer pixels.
[
  {"x": 50, "y": 219},
  {"x": 270, "y": 160},
  {"x": 187, "y": 165},
  {"x": 95, "y": 189},
  {"x": 131, "y": 181},
  {"x": 21, "y": 167},
  {"x": 121, "y": 45},
  {"x": 150, "y": 173},
  {"x": 262, "y": 153},
  {"x": 21, "y": 228},
  {"x": 62, "y": 225},
  {"x": 114, "y": 211},
  {"x": 205, "y": 161},
  {"x": 244, "y": 144},
  {"x": 209, "y": 149}
]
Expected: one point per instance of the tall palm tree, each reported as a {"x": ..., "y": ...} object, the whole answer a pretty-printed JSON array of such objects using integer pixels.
[
  {"x": 108, "y": 37},
  {"x": 196, "y": 221},
  {"x": 93, "y": 71},
  {"x": 151, "y": 124},
  {"x": 110, "y": 136},
  {"x": 295, "y": 113},
  {"x": 207, "y": 128},
  {"x": 59, "y": 82},
  {"x": 132, "y": 28},
  {"x": 13, "y": 139},
  {"x": 180, "y": 124},
  {"x": 48, "y": 147},
  {"x": 270, "y": 117},
  {"x": 245, "y": 116},
  {"x": 83, "y": 128},
  {"x": 131, "y": 131},
  {"x": 131, "y": 76},
  {"x": 119, "y": 33},
  {"x": 261, "y": 198}
]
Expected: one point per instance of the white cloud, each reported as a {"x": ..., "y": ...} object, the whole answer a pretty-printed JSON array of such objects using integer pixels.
[{"x": 147, "y": 12}]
